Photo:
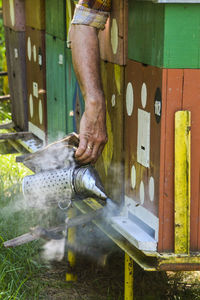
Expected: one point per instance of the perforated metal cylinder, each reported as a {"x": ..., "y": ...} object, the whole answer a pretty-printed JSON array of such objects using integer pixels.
[
  {"x": 62, "y": 184},
  {"x": 54, "y": 185}
]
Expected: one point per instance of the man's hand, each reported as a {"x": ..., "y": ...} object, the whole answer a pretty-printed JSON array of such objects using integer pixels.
[{"x": 93, "y": 134}]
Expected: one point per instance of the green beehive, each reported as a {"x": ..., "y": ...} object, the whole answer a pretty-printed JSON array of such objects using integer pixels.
[
  {"x": 164, "y": 35},
  {"x": 75, "y": 102},
  {"x": 56, "y": 88},
  {"x": 56, "y": 18}
]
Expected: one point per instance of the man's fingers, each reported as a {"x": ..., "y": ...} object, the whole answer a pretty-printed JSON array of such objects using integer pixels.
[
  {"x": 81, "y": 148},
  {"x": 86, "y": 157},
  {"x": 99, "y": 151}
]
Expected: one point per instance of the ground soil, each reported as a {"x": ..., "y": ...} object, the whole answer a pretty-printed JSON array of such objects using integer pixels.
[{"x": 106, "y": 282}]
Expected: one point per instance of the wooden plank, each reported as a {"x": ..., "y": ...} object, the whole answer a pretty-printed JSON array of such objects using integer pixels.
[
  {"x": 14, "y": 14},
  {"x": 128, "y": 278},
  {"x": 75, "y": 101},
  {"x": 142, "y": 175},
  {"x": 182, "y": 182},
  {"x": 174, "y": 90},
  {"x": 110, "y": 164},
  {"x": 191, "y": 98},
  {"x": 51, "y": 233},
  {"x": 35, "y": 14},
  {"x": 70, "y": 6},
  {"x": 56, "y": 93},
  {"x": 16, "y": 62},
  {"x": 7, "y": 125},
  {"x": 5, "y": 97},
  {"x": 56, "y": 18},
  {"x": 3, "y": 74},
  {"x": 170, "y": 40},
  {"x": 113, "y": 38},
  {"x": 36, "y": 81},
  {"x": 15, "y": 135}
]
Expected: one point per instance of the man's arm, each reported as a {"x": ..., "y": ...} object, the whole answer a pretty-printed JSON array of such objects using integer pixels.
[{"x": 86, "y": 61}]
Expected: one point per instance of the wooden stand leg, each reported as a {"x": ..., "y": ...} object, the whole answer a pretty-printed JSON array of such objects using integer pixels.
[
  {"x": 128, "y": 287},
  {"x": 71, "y": 236}
]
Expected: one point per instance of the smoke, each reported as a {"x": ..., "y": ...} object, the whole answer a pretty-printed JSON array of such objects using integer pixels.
[
  {"x": 90, "y": 241},
  {"x": 54, "y": 250}
]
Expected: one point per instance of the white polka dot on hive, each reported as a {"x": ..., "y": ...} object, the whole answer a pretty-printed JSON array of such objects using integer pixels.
[
  {"x": 34, "y": 53},
  {"x": 133, "y": 177},
  {"x": 114, "y": 35},
  {"x": 113, "y": 101},
  {"x": 40, "y": 112},
  {"x": 129, "y": 99},
  {"x": 144, "y": 95},
  {"x": 31, "y": 105},
  {"x": 151, "y": 188},
  {"x": 142, "y": 192},
  {"x": 29, "y": 48},
  {"x": 12, "y": 12}
]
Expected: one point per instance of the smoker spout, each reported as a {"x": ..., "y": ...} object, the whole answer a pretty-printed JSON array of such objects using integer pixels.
[{"x": 87, "y": 183}]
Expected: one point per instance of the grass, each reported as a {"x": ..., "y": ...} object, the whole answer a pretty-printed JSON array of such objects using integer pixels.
[{"x": 19, "y": 264}]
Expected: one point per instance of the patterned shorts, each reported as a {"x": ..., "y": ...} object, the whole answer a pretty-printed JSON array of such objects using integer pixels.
[{"x": 92, "y": 13}]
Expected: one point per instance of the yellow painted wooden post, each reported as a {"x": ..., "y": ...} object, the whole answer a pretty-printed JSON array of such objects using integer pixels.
[
  {"x": 71, "y": 236},
  {"x": 182, "y": 181},
  {"x": 128, "y": 284}
]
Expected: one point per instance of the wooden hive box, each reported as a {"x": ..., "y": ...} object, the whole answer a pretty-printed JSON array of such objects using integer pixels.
[
  {"x": 36, "y": 81},
  {"x": 14, "y": 14},
  {"x": 164, "y": 35},
  {"x": 113, "y": 39},
  {"x": 16, "y": 62},
  {"x": 56, "y": 18},
  {"x": 35, "y": 14},
  {"x": 110, "y": 164},
  {"x": 56, "y": 88},
  {"x": 153, "y": 95}
]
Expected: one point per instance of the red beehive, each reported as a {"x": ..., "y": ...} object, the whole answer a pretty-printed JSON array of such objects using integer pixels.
[{"x": 153, "y": 95}]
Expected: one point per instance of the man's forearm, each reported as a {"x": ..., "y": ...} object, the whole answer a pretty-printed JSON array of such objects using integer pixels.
[{"x": 86, "y": 61}]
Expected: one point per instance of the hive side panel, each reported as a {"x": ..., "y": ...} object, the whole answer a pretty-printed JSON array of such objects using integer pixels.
[
  {"x": 191, "y": 100},
  {"x": 16, "y": 61}
]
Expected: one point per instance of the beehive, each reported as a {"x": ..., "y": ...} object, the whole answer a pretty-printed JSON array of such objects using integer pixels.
[
  {"x": 153, "y": 95},
  {"x": 36, "y": 81},
  {"x": 16, "y": 62},
  {"x": 164, "y": 35}
]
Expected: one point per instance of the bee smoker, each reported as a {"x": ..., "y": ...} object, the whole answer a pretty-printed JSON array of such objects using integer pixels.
[{"x": 64, "y": 184}]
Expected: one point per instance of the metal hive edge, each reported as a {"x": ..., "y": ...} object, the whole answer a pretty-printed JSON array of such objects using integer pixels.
[{"x": 149, "y": 261}]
